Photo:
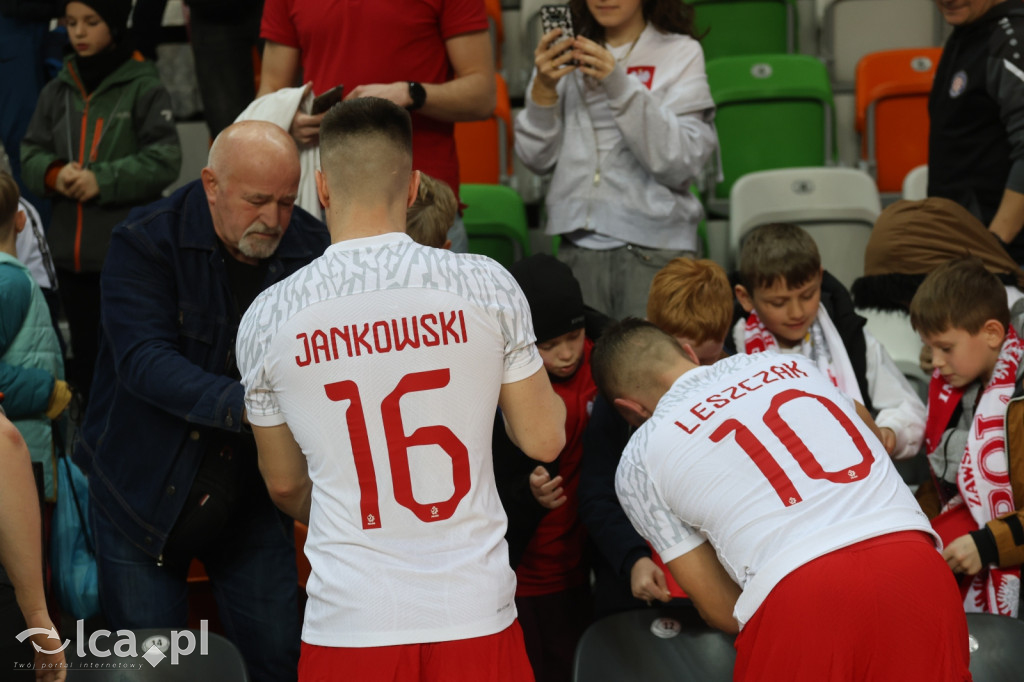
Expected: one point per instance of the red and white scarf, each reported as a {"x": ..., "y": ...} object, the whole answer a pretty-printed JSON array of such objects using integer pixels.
[
  {"x": 983, "y": 476},
  {"x": 822, "y": 344}
]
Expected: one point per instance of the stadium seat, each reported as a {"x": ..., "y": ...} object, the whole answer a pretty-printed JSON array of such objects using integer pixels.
[
  {"x": 915, "y": 184},
  {"x": 737, "y": 27},
  {"x": 666, "y": 644},
  {"x": 892, "y": 328},
  {"x": 221, "y": 660},
  {"x": 892, "y": 112},
  {"x": 478, "y": 143},
  {"x": 854, "y": 28},
  {"x": 995, "y": 644},
  {"x": 495, "y": 220},
  {"x": 774, "y": 111},
  {"x": 837, "y": 207}
]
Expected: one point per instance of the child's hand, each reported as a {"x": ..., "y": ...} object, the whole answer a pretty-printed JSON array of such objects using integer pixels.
[
  {"x": 962, "y": 555},
  {"x": 83, "y": 186},
  {"x": 546, "y": 490},
  {"x": 648, "y": 581},
  {"x": 888, "y": 437},
  {"x": 66, "y": 174}
]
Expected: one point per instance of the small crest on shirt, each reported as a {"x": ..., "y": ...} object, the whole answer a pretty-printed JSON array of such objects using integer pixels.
[
  {"x": 645, "y": 74},
  {"x": 958, "y": 84}
]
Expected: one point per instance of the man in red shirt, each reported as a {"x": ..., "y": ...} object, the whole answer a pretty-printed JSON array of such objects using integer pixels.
[{"x": 432, "y": 57}]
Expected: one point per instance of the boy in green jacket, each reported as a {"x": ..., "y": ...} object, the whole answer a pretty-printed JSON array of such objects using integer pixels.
[{"x": 102, "y": 141}]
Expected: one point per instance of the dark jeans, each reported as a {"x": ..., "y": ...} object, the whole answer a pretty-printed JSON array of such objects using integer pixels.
[
  {"x": 252, "y": 573},
  {"x": 222, "y": 46}
]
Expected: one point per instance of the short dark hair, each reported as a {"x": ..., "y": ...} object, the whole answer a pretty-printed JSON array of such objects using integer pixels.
[
  {"x": 625, "y": 350},
  {"x": 366, "y": 116},
  {"x": 959, "y": 294},
  {"x": 778, "y": 250}
]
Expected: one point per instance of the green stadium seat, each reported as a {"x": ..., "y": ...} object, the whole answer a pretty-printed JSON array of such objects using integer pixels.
[
  {"x": 773, "y": 111},
  {"x": 495, "y": 220},
  {"x": 738, "y": 27}
]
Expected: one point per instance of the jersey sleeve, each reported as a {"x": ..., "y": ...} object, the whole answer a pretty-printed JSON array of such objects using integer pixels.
[
  {"x": 516, "y": 321},
  {"x": 251, "y": 350},
  {"x": 276, "y": 25},
  {"x": 650, "y": 513},
  {"x": 462, "y": 16}
]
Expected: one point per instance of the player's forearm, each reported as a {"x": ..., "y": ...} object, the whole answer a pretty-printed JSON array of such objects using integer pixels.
[
  {"x": 468, "y": 98},
  {"x": 20, "y": 535},
  {"x": 1009, "y": 218},
  {"x": 293, "y": 500}
]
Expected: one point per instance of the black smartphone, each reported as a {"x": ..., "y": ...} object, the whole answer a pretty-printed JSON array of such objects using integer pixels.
[
  {"x": 325, "y": 101},
  {"x": 557, "y": 16}
]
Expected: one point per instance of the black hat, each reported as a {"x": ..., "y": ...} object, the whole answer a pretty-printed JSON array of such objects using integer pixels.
[
  {"x": 554, "y": 295},
  {"x": 114, "y": 13}
]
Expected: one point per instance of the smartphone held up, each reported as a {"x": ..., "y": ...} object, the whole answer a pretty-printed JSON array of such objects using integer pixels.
[{"x": 558, "y": 16}]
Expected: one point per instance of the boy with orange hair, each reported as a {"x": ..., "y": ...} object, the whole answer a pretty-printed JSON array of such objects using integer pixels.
[{"x": 692, "y": 301}]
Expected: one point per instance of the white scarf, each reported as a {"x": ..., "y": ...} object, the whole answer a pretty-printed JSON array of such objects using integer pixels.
[{"x": 822, "y": 344}]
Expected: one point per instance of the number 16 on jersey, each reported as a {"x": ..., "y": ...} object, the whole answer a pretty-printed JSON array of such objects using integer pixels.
[{"x": 398, "y": 444}]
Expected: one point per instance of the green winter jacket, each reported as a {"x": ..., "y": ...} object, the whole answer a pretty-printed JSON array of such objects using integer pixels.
[{"x": 124, "y": 132}]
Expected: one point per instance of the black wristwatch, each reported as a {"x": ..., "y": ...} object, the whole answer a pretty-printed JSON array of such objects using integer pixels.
[{"x": 418, "y": 95}]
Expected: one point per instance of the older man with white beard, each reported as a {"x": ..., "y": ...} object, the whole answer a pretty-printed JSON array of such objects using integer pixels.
[{"x": 172, "y": 461}]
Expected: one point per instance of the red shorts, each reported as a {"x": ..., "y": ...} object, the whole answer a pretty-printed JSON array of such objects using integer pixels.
[
  {"x": 500, "y": 657},
  {"x": 883, "y": 609}
]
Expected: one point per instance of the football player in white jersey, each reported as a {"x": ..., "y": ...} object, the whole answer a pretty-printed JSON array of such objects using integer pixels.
[
  {"x": 774, "y": 504},
  {"x": 371, "y": 377}
]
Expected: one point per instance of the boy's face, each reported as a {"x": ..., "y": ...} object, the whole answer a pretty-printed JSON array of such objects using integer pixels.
[
  {"x": 787, "y": 312},
  {"x": 708, "y": 352},
  {"x": 87, "y": 31},
  {"x": 963, "y": 357},
  {"x": 562, "y": 355}
]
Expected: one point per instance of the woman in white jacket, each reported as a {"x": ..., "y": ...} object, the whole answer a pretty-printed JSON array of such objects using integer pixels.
[{"x": 626, "y": 131}]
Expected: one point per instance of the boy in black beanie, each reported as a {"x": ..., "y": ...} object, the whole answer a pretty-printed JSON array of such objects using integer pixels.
[{"x": 546, "y": 537}]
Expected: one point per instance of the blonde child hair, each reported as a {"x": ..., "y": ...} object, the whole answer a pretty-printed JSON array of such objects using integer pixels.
[{"x": 433, "y": 212}]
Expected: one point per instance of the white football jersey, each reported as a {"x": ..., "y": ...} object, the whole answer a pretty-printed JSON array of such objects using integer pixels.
[
  {"x": 385, "y": 359},
  {"x": 764, "y": 458}
]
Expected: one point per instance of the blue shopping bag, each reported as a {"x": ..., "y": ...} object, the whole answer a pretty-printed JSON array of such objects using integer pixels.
[{"x": 72, "y": 554}]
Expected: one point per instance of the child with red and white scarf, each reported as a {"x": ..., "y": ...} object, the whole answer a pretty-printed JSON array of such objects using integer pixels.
[
  {"x": 794, "y": 306},
  {"x": 961, "y": 313}
]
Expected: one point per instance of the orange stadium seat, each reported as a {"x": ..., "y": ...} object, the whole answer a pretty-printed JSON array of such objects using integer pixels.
[
  {"x": 892, "y": 112},
  {"x": 479, "y": 143}
]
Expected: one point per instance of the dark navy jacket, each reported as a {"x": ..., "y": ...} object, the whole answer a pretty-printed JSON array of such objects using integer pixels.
[{"x": 162, "y": 391}]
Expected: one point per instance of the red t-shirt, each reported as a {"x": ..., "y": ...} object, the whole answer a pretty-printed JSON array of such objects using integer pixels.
[
  {"x": 356, "y": 42},
  {"x": 553, "y": 561}
]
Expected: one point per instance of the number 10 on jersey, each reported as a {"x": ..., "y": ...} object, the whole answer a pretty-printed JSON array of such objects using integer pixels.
[
  {"x": 769, "y": 465},
  {"x": 398, "y": 448}
]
